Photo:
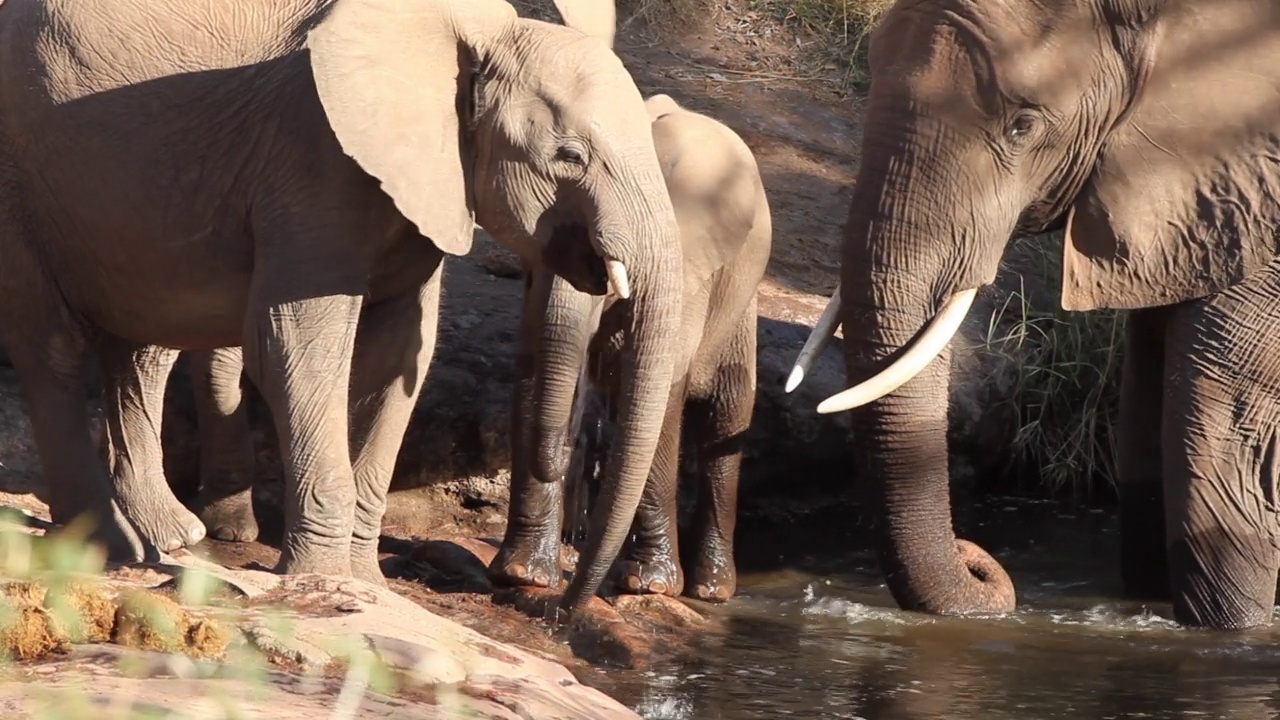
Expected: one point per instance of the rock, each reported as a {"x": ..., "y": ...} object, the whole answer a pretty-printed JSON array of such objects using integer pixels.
[
  {"x": 322, "y": 625},
  {"x": 658, "y": 609},
  {"x": 460, "y": 565}
]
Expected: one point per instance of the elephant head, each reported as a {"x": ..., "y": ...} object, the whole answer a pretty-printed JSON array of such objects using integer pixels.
[
  {"x": 1140, "y": 125},
  {"x": 467, "y": 113}
]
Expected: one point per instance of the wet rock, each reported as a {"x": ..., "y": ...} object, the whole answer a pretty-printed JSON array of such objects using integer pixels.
[{"x": 658, "y": 610}]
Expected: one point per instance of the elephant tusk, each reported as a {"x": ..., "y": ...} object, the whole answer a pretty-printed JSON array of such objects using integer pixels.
[
  {"x": 617, "y": 273},
  {"x": 823, "y": 331},
  {"x": 917, "y": 357}
]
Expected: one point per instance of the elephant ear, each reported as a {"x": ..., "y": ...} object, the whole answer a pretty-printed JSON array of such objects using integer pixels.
[
  {"x": 659, "y": 105},
  {"x": 1184, "y": 200},
  {"x": 715, "y": 188},
  {"x": 393, "y": 77},
  {"x": 597, "y": 18}
]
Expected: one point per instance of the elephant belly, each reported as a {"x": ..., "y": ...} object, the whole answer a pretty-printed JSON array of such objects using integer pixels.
[{"x": 186, "y": 292}]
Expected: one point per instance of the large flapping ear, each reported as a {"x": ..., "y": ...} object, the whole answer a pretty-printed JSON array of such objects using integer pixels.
[
  {"x": 394, "y": 77},
  {"x": 597, "y": 18},
  {"x": 1185, "y": 198},
  {"x": 715, "y": 189}
]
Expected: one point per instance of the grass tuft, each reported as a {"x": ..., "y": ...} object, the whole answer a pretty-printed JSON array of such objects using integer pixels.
[{"x": 1067, "y": 377}]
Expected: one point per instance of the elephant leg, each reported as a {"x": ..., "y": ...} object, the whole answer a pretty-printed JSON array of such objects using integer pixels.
[
  {"x": 394, "y": 345},
  {"x": 225, "y": 503},
  {"x": 1222, "y": 445},
  {"x": 652, "y": 562},
  {"x": 719, "y": 425},
  {"x": 530, "y": 551},
  {"x": 134, "y": 379},
  {"x": 1144, "y": 568},
  {"x": 48, "y": 354},
  {"x": 304, "y": 305}
]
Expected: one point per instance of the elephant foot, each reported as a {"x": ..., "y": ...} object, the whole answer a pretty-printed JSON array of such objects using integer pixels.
[
  {"x": 123, "y": 543},
  {"x": 364, "y": 563},
  {"x": 657, "y": 574},
  {"x": 158, "y": 515},
  {"x": 1000, "y": 594},
  {"x": 714, "y": 578},
  {"x": 527, "y": 563},
  {"x": 299, "y": 557},
  {"x": 230, "y": 518}
]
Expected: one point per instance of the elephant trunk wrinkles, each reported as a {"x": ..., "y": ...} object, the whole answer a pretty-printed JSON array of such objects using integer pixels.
[
  {"x": 893, "y": 278},
  {"x": 566, "y": 331},
  {"x": 647, "y": 366}
]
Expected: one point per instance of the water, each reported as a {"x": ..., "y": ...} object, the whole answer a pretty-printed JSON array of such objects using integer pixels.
[{"x": 826, "y": 641}]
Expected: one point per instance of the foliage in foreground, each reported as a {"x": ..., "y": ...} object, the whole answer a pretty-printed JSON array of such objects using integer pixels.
[{"x": 53, "y": 595}]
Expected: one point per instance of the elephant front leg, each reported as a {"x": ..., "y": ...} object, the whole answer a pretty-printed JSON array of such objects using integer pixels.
[
  {"x": 225, "y": 503},
  {"x": 134, "y": 380},
  {"x": 719, "y": 426},
  {"x": 1144, "y": 567},
  {"x": 530, "y": 551},
  {"x": 394, "y": 345},
  {"x": 652, "y": 562},
  {"x": 1222, "y": 451},
  {"x": 298, "y": 353},
  {"x": 50, "y": 366}
]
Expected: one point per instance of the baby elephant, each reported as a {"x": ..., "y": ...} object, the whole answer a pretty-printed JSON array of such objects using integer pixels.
[{"x": 726, "y": 233}]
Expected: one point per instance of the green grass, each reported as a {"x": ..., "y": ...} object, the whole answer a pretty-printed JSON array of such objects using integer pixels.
[{"x": 1066, "y": 369}]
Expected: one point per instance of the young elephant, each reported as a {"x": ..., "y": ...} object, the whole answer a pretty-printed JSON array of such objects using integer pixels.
[{"x": 726, "y": 233}]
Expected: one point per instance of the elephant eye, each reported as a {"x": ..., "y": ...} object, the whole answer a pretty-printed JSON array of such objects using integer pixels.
[
  {"x": 1022, "y": 126},
  {"x": 570, "y": 154}
]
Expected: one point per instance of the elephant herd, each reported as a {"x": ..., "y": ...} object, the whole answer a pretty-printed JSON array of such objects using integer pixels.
[{"x": 274, "y": 187}]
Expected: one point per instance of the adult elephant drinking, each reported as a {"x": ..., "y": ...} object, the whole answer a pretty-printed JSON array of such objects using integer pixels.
[
  {"x": 270, "y": 175},
  {"x": 1151, "y": 130}
]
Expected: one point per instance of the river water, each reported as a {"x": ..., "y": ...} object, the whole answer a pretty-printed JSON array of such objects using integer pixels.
[{"x": 825, "y": 640}]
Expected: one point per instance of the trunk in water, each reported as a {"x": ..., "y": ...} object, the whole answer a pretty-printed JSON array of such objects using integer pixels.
[
  {"x": 893, "y": 259},
  {"x": 647, "y": 359}
]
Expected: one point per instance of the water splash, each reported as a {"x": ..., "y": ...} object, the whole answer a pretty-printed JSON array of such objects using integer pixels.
[
  {"x": 1110, "y": 618},
  {"x": 853, "y": 612}
]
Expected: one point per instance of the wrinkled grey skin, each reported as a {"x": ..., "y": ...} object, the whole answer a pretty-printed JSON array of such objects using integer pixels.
[
  {"x": 197, "y": 176},
  {"x": 726, "y": 235},
  {"x": 1149, "y": 128}
]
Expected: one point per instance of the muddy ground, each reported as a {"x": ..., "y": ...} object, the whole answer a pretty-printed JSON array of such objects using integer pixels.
[{"x": 799, "y": 490}]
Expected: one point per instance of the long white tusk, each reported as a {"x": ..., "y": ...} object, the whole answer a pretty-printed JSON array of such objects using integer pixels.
[
  {"x": 617, "y": 273},
  {"x": 917, "y": 357},
  {"x": 823, "y": 331}
]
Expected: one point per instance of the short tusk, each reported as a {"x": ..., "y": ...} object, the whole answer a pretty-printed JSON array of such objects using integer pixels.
[
  {"x": 823, "y": 331},
  {"x": 917, "y": 357},
  {"x": 618, "y": 283}
]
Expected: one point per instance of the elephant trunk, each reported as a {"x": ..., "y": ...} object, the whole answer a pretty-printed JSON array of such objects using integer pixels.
[
  {"x": 904, "y": 265},
  {"x": 567, "y": 326},
  {"x": 647, "y": 364}
]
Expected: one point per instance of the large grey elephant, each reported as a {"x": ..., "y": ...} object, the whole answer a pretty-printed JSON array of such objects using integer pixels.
[
  {"x": 1150, "y": 130},
  {"x": 197, "y": 175},
  {"x": 726, "y": 234}
]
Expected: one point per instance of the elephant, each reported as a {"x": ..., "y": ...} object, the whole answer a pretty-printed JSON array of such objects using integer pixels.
[
  {"x": 1147, "y": 131},
  {"x": 272, "y": 175},
  {"x": 571, "y": 338}
]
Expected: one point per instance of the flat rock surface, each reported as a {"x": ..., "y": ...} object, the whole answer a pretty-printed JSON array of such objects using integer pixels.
[{"x": 318, "y": 629}]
